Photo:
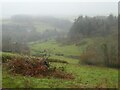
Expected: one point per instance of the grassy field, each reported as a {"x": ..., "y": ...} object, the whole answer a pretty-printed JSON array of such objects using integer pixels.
[
  {"x": 54, "y": 47},
  {"x": 85, "y": 76}
]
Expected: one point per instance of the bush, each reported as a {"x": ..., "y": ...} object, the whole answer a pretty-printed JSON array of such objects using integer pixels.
[
  {"x": 36, "y": 67},
  {"x": 110, "y": 55},
  {"x": 91, "y": 56},
  {"x": 100, "y": 54},
  {"x": 27, "y": 66}
]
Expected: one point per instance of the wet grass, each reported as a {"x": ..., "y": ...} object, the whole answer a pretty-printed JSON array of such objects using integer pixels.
[{"x": 85, "y": 76}]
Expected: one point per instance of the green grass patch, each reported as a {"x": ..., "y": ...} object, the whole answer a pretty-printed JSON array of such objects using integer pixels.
[
  {"x": 85, "y": 77},
  {"x": 8, "y": 56},
  {"x": 54, "y": 47},
  {"x": 92, "y": 76}
]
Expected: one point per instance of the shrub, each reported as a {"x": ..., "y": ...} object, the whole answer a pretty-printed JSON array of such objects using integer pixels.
[
  {"x": 91, "y": 56},
  {"x": 27, "y": 66},
  {"x": 36, "y": 67},
  {"x": 110, "y": 57},
  {"x": 100, "y": 54}
]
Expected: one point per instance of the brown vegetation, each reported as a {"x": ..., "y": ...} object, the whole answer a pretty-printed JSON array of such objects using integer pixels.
[
  {"x": 36, "y": 67},
  {"x": 104, "y": 54}
]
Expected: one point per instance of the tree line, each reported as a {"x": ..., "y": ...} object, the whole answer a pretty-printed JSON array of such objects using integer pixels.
[
  {"x": 92, "y": 26},
  {"x": 103, "y": 31}
]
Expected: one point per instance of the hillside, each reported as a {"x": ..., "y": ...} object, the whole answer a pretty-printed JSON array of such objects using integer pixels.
[
  {"x": 85, "y": 76},
  {"x": 53, "y": 53}
]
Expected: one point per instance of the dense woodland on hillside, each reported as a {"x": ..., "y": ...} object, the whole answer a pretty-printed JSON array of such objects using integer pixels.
[
  {"x": 93, "y": 26},
  {"x": 104, "y": 50}
]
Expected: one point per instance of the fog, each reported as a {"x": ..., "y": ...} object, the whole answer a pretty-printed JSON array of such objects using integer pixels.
[
  {"x": 66, "y": 9},
  {"x": 59, "y": 44}
]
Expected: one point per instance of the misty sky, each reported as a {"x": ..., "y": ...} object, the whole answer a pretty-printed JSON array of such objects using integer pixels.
[{"x": 59, "y": 9}]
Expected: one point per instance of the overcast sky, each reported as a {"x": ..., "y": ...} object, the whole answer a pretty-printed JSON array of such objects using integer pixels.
[{"x": 59, "y": 8}]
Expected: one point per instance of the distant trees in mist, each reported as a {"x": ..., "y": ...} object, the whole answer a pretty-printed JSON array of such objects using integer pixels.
[{"x": 92, "y": 26}]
